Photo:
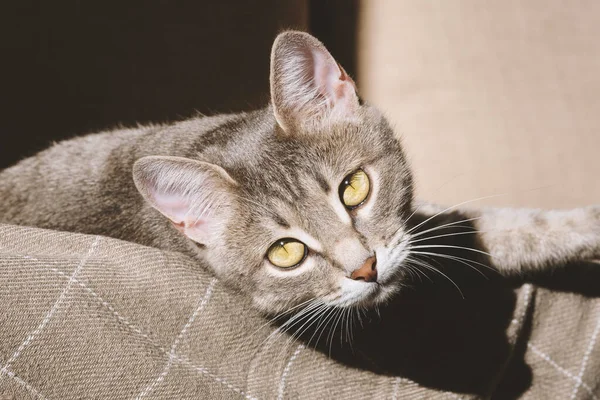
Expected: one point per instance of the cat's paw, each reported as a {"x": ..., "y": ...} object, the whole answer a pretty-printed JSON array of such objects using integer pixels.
[
  {"x": 593, "y": 216},
  {"x": 593, "y": 213},
  {"x": 581, "y": 228}
]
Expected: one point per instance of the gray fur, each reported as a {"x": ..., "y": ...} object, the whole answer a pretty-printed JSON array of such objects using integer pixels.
[{"x": 262, "y": 178}]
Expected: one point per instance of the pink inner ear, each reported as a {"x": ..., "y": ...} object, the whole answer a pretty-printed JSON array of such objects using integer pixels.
[
  {"x": 199, "y": 228},
  {"x": 173, "y": 206},
  {"x": 333, "y": 83},
  {"x": 308, "y": 87}
]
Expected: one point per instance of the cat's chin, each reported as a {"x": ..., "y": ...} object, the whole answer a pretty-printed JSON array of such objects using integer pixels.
[
  {"x": 385, "y": 294},
  {"x": 381, "y": 295},
  {"x": 375, "y": 296}
]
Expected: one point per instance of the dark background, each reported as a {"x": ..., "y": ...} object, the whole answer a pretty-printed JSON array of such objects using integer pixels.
[{"x": 74, "y": 67}]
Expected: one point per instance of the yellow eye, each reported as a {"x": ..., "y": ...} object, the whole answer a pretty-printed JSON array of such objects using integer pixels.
[
  {"x": 354, "y": 189},
  {"x": 287, "y": 253}
]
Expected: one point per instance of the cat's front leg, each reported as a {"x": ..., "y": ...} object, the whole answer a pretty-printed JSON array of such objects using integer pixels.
[
  {"x": 520, "y": 240},
  {"x": 523, "y": 240}
]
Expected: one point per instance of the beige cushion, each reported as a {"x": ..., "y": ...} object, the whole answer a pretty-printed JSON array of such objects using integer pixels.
[
  {"x": 490, "y": 97},
  {"x": 93, "y": 317}
]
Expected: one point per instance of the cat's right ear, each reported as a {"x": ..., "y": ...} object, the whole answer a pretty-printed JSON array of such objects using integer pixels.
[
  {"x": 308, "y": 87},
  {"x": 196, "y": 196}
]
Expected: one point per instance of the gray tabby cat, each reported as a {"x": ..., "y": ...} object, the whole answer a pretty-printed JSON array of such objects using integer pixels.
[{"x": 308, "y": 198}]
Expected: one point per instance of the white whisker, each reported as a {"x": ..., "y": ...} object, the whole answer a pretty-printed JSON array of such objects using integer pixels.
[
  {"x": 331, "y": 334},
  {"x": 456, "y": 258},
  {"x": 429, "y": 267},
  {"x": 446, "y": 235},
  {"x": 452, "y": 247},
  {"x": 453, "y": 207},
  {"x": 316, "y": 316},
  {"x": 453, "y": 224},
  {"x": 323, "y": 323},
  {"x": 305, "y": 312}
]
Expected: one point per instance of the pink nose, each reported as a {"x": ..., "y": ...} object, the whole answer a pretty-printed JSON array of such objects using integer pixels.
[{"x": 367, "y": 272}]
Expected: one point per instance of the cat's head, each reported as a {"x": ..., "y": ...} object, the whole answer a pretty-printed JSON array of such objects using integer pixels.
[{"x": 309, "y": 203}]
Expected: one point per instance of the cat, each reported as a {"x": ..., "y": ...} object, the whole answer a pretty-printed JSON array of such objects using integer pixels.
[{"x": 309, "y": 198}]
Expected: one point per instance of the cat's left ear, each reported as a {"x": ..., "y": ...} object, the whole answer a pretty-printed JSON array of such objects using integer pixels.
[
  {"x": 197, "y": 197},
  {"x": 307, "y": 85}
]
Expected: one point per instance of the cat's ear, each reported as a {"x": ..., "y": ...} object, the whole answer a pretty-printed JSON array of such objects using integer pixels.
[
  {"x": 307, "y": 84},
  {"x": 196, "y": 196}
]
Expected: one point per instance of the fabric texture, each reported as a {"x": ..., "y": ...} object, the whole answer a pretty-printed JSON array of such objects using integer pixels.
[{"x": 93, "y": 317}]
